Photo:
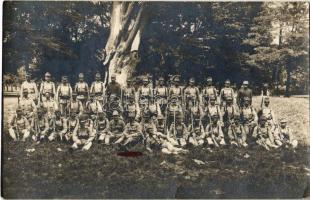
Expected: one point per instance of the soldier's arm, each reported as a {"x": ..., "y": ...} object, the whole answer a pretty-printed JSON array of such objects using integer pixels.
[
  {"x": 12, "y": 121},
  {"x": 57, "y": 93},
  {"x": 92, "y": 88},
  {"x": 290, "y": 135},
  {"x": 255, "y": 115},
  {"x": 41, "y": 88},
  {"x": 65, "y": 126},
  {"x": 54, "y": 90},
  {"x": 74, "y": 134},
  {"x": 46, "y": 124},
  {"x": 28, "y": 127},
  {"x": 221, "y": 134},
  {"x": 21, "y": 91}
]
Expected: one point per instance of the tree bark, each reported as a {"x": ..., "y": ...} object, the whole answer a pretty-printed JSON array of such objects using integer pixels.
[{"x": 123, "y": 42}]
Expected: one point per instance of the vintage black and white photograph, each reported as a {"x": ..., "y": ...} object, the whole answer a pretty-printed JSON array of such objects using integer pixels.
[{"x": 155, "y": 100}]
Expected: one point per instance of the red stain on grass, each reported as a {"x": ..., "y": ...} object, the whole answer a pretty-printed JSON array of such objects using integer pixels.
[{"x": 129, "y": 154}]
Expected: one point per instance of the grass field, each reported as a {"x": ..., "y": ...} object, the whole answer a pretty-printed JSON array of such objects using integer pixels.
[{"x": 101, "y": 173}]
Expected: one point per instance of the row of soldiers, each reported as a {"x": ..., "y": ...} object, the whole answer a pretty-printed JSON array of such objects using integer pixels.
[{"x": 168, "y": 118}]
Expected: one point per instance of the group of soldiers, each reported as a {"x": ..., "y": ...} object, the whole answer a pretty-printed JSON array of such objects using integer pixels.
[{"x": 171, "y": 118}]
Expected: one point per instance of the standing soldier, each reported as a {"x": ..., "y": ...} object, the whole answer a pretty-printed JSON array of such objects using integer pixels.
[
  {"x": 72, "y": 124},
  {"x": 172, "y": 109},
  {"x": 243, "y": 92},
  {"x": 264, "y": 93},
  {"x": 268, "y": 113},
  {"x": 114, "y": 87},
  {"x": 284, "y": 136},
  {"x": 248, "y": 117},
  {"x": 161, "y": 95},
  {"x": 83, "y": 134},
  {"x": 97, "y": 88},
  {"x": 176, "y": 90},
  {"x": 132, "y": 134},
  {"x": 40, "y": 126},
  {"x": 31, "y": 87},
  {"x": 178, "y": 133},
  {"x": 128, "y": 92},
  {"x": 144, "y": 94},
  {"x": 263, "y": 135},
  {"x": 116, "y": 128},
  {"x": 101, "y": 126},
  {"x": 81, "y": 88},
  {"x": 225, "y": 92},
  {"x": 27, "y": 105},
  {"x": 75, "y": 106},
  {"x": 236, "y": 132},
  {"x": 212, "y": 110},
  {"x": 214, "y": 133},
  {"x": 63, "y": 95},
  {"x": 47, "y": 86},
  {"x": 19, "y": 126},
  {"x": 209, "y": 91},
  {"x": 93, "y": 107},
  {"x": 191, "y": 94},
  {"x": 49, "y": 105},
  {"x": 58, "y": 126}
]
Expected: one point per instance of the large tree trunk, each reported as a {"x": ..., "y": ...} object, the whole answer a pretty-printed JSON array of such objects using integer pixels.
[{"x": 127, "y": 22}]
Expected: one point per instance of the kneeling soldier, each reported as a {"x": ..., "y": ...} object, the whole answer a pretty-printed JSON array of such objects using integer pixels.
[
  {"x": 249, "y": 117},
  {"x": 284, "y": 136},
  {"x": 40, "y": 125},
  {"x": 19, "y": 126},
  {"x": 236, "y": 132},
  {"x": 84, "y": 133},
  {"x": 72, "y": 124},
  {"x": 102, "y": 126},
  {"x": 214, "y": 133},
  {"x": 58, "y": 125},
  {"x": 264, "y": 135}
]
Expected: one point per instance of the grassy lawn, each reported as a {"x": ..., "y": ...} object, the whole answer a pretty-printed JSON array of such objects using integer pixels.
[{"x": 101, "y": 173}]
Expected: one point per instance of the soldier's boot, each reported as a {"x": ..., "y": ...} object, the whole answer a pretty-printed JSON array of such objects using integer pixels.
[
  {"x": 87, "y": 146},
  {"x": 74, "y": 146}
]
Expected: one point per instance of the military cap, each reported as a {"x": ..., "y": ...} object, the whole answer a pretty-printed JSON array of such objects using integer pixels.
[
  {"x": 81, "y": 75},
  {"x": 47, "y": 74},
  {"x": 92, "y": 94},
  {"x": 245, "y": 83},
  {"x": 283, "y": 120},
  {"x": 266, "y": 99},
  {"x": 212, "y": 97},
  {"x": 128, "y": 80},
  {"x": 215, "y": 116},
  {"x": 265, "y": 84},
  {"x": 19, "y": 109},
  {"x": 209, "y": 78},
  {"x": 25, "y": 90},
  {"x": 101, "y": 113},
  {"x": 113, "y": 76},
  {"x": 40, "y": 110},
  {"x": 161, "y": 79},
  {"x": 83, "y": 117},
  {"x": 115, "y": 113},
  {"x": 131, "y": 114},
  {"x": 236, "y": 116},
  {"x": 229, "y": 98},
  {"x": 98, "y": 75},
  {"x": 160, "y": 117},
  {"x": 145, "y": 79},
  {"x": 57, "y": 111},
  {"x": 176, "y": 79},
  {"x": 64, "y": 77},
  {"x": 73, "y": 114},
  {"x": 27, "y": 74},
  {"x": 146, "y": 114},
  {"x": 192, "y": 80},
  {"x": 227, "y": 81},
  {"x": 74, "y": 94},
  {"x": 179, "y": 115}
]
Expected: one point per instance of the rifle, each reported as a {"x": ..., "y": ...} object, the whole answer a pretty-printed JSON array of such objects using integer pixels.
[{"x": 174, "y": 131}]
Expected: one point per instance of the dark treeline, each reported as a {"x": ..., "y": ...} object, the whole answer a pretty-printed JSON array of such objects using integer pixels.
[{"x": 261, "y": 42}]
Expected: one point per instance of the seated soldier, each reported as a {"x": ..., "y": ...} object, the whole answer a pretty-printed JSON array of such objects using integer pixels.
[
  {"x": 72, "y": 124},
  {"x": 160, "y": 124},
  {"x": 236, "y": 132},
  {"x": 178, "y": 133},
  {"x": 211, "y": 110},
  {"x": 83, "y": 134},
  {"x": 195, "y": 129},
  {"x": 132, "y": 133},
  {"x": 263, "y": 135},
  {"x": 284, "y": 136},
  {"x": 131, "y": 107},
  {"x": 40, "y": 125},
  {"x": 151, "y": 135},
  {"x": 19, "y": 126},
  {"x": 116, "y": 128},
  {"x": 214, "y": 133},
  {"x": 27, "y": 105},
  {"x": 249, "y": 117},
  {"x": 58, "y": 126},
  {"x": 102, "y": 126},
  {"x": 229, "y": 112},
  {"x": 173, "y": 108},
  {"x": 50, "y": 105}
]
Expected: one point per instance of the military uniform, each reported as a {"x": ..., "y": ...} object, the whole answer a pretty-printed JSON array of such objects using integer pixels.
[
  {"x": 244, "y": 92},
  {"x": 40, "y": 126},
  {"x": 263, "y": 135},
  {"x": 47, "y": 86},
  {"x": 81, "y": 88},
  {"x": 173, "y": 108},
  {"x": 84, "y": 134},
  {"x": 214, "y": 133},
  {"x": 145, "y": 94},
  {"x": 27, "y": 105},
  {"x": 63, "y": 95},
  {"x": 178, "y": 133},
  {"x": 50, "y": 106},
  {"x": 58, "y": 127},
  {"x": 127, "y": 93},
  {"x": 116, "y": 128},
  {"x": 132, "y": 107},
  {"x": 249, "y": 118},
  {"x": 225, "y": 92},
  {"x": 236, "y": 133},
  {"x": 284, "y": 137},
  {"x": 209, "y": 91},
  {"x": 75, "y": 106},
  {"x": 161, "y": 95},
  {"x": 97, "y": 89},
  {"x": 114, "y": 87},
  {"x": 31, "y": 87},
  {"x": 102, "y": 126},
  {"x": 197, "y": 134},
  {"x": 72, "y": 123},
  {"x": 93, "y": 107},
  {"x": 19, "y": 126}
]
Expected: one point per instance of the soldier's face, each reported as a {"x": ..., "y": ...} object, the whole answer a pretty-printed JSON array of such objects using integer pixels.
[
  {"x": 263, "y": 122},
  {"x": 246, "y": 102},
  {"x": 115, "y": 117},
  {"x": 97, "y": 78},
  {"x": 74, "y": 97},
  {"x": 47, "y": 78},
  {"x": 28, "y": 78},
  {"x": 191, "y": 83},
  {"x": 25, "y": 94},
  {"x": 161, "y": 82},
  {"x": 212, "y": 102},
  {"x": 160, "y": 121},
  {"x": 227, "y": 84},
  {"x": 64, "y": 81},
  {"x": 113, "y": 80},
  {"x": 229, "y": 102},
  {"x": 283, "y": 125},
  {"x": 81, "y": 79},
  {"x": 19, "y": 113},
  {"x": 266, "y": 103},
  {"x": 245, "y": 85}
]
